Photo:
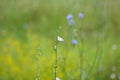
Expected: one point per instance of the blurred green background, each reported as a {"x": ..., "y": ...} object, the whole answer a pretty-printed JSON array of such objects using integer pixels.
[{"x": 26, "y": 25}]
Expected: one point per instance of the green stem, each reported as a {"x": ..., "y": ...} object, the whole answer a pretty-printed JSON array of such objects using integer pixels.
[
  {"x": 38, "y": 63},
  {"x": 55, "y": 66}
]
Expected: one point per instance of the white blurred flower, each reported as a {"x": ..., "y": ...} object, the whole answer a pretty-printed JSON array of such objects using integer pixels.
[
  {"x": 60, "y": 39},
  {"x": 114, "y": 47},
  {"x": 57, "y": 78},
  {"x": 112, "y": 76},
  {"x": 119, "y": 77}
]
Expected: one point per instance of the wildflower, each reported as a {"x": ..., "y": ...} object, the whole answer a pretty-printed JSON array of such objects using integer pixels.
[
  {"x": 74, "y": 42},
  {"x": 112, "y": 76},
  {"x": 60, "y": 39},
  {"x": 81, "y": 15},
  {"x": 114, "y": 47},
  {"x": 70, "y": 19},
  {"x": 71, "y": 22},
  {"x": 25, "y": 26},
  {"x": 119, "y": 77},
  {"x": 57, "y": 78}
]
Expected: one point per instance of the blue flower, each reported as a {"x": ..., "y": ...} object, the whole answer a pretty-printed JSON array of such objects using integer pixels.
[
  {"x": 71, "y": 22},
  {"x": 25, "y": 26},
  {"x": 70, "y": 19},
  {"x": 81, "y": 15},
  {"x": 74, "y": 42}
]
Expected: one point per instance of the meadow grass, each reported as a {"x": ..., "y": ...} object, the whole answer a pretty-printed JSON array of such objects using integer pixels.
[{"x": 27, "y": 25}]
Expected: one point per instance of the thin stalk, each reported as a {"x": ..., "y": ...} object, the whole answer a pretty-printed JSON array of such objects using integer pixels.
[
  {"x": 64, "y": 55},
  {"x": 64, "y": 68},
  {"x": 81, "y": 59},
  {"x": 68, "y": 35},
  {"x": 56, "y": 57},
  {"x": 38, "y": 56},
  {"x": 96, "y": 56},
  {"x": 101, "y": 23},
  {"x": 99, "y": 67},
  {"x": 97, "y": 41},
  {"x": 100, "y": 61},
  {"x": 81, "y": 53}
]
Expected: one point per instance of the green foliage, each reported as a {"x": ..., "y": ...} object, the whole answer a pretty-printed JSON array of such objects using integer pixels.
[{"x": 26, "y": 25}]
